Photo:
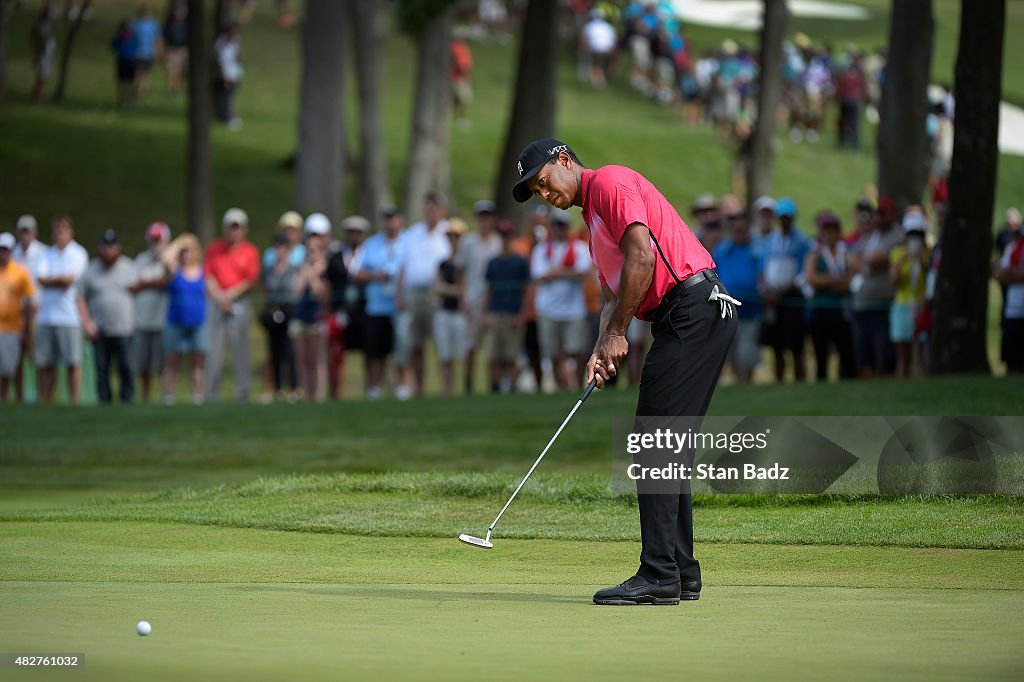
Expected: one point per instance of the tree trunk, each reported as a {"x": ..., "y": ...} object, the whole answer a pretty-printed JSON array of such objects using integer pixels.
[
  {"x": 69, "y": 44},
  {"x": 903, "y": 150},
  {"x": 534, "y": 100},
  {"x": 769, "y": 94},
  {"x": 321, "y": 157},
  {"x": 199, "y": 180},
  {"x": 223, "y": 17},
  {"x": 5, "y": 15},
  {"x": 958, "y": 341},
  {"x": 370, "y": 32},
  {"x": 431, "y": 107}
]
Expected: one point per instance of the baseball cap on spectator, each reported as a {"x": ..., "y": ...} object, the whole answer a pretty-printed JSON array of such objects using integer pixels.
[
  {"x": 456, "y": 226},
  {"x": 317, "y": 223},
  {"x": 356, "y": 222},
  {"x": 1013, "y": 216},
  {"x": 764, "y": 203},
  {"x": 27, "y": 222},
  {"x": 235, "y": 216},
  {"x": 7, "y": 241},
  {"x": 157, "y": 232},
  {"x": 436, "y": 197},
  {"x": 506, "y": 228},
  {"x": 109, "y": 238},
  {"x": 828, "y": 219},
  {"x": 292, "y": 219},
  {"x": 786, "y": 207},
  {"x": 704, "y": 202},
  {"x": 914, "y": 222},
  {"x": 541, "y": 210},
  {"x": 532, "y": 159},
  {"x": 560, "y": 217},
  {"x": 484, "y": 206},
  {"x": 390, "y": 210}
]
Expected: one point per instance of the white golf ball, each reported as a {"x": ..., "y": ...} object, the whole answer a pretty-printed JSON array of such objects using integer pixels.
[{"x": 143, "y": 628}]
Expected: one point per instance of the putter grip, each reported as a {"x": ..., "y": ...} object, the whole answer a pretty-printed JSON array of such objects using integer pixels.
[{"x": 589, "y": 389}]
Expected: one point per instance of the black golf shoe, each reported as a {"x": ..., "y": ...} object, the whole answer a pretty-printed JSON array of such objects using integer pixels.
[{"x": 640, "y": 590}]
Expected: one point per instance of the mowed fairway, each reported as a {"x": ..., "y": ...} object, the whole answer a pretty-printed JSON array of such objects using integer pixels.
[{"x": 318, "y": 542}]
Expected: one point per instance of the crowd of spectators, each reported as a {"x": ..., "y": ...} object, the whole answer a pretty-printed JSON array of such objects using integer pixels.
[{"x": 528, "y": 300}]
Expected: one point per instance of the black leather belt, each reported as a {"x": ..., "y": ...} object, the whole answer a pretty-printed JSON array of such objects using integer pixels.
[{"x": 698, "y": 277}]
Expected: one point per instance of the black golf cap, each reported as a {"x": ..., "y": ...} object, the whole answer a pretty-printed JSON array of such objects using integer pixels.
[
  {"x": 532, "y": 159},
  {"x": 109, "y": 238}
]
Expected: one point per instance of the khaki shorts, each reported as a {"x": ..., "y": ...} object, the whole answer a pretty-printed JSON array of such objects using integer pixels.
[
  {"x": 415, "y": 324},
  {"x": 504, "y": 339},
  {"x": 175, "y": 59},
  {"x": 559, "y": 338},
  {"x": 450, "y": 335},
  {"x": 149, "y": 352},
  {"x": 10, "y": 354},
  {"x": 745, "y": 352},
  {"x": 58, "y": 346}
]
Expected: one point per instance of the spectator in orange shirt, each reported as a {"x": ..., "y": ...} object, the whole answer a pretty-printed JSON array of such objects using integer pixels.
[
  {"x": 16, "y": 309},
  {"x": 232, "y": 269},
  {"x": 462, "y": 78}
]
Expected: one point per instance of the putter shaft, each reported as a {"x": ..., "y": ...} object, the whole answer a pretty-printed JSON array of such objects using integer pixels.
[{"x": 586, "y": 392}]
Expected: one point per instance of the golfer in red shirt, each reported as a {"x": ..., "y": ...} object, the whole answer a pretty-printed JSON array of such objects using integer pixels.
[{"x": 651, "y": 266}]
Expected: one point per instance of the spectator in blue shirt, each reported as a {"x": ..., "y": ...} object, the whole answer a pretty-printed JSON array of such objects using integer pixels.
[
  {"x": 740, "y": 268},
  {"x": 124, "y": 45},
  {"x": 148, "y": 46},
  {"x": 782, "y": 329},
  {"x": 508, "y": 276},
  {"x": 376, "y": 265}
]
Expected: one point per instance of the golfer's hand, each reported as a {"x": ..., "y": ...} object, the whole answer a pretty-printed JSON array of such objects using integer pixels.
[{"x": 609, "y": 353}]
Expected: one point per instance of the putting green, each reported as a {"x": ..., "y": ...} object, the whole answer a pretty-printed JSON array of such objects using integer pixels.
[{"x": 250, "y": 604}]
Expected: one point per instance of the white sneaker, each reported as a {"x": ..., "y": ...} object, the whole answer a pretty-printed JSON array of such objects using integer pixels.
[
  {"x": 403, "y": 392},
  {"x": 373, "y": 393},
  {"x": 198, "y": 399},
  {"x": 168, "y": 399}
]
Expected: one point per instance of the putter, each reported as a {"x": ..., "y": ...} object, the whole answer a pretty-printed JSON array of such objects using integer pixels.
[{"x": 486, "y": 542}]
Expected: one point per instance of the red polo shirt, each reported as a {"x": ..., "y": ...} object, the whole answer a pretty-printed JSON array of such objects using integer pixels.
[
  {"x": 615, "y": 197},
  {"x": 228, "y": 265}
]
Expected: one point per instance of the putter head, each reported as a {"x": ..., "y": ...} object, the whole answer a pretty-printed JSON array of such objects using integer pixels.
[{"x": 476, "y": 542}]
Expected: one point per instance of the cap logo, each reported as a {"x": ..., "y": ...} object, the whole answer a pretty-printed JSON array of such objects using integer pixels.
[
  {"x": 519, "y": 166},
  {"x": 558, "y": 150}
]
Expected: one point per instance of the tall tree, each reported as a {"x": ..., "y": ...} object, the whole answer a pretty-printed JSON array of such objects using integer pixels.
[
  {"x": 369, "y": 19},
  {"x": 902, "y": 139},
  {"x": 199, "y": 173},
  {"x": 70, "y": 35},
  {"x": 428, "y": 167},
  {"x": 769, "y": 94},
  {"x": 5, "y": 16},
  {"x": 534, "y": 100},
  {"x": 958, "y": 341},
  {"x": 321, "y": 156}
]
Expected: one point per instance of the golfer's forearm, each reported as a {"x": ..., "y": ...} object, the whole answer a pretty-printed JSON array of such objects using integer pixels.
[{"x": 637, "y": 273}]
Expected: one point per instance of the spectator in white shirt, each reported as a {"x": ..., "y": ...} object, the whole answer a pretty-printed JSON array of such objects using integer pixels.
[
  {"x": 29, "y": 252},
  {"x": 599, "y": 42},
  {"x": 424, "y": 247},
  {"x": 227, "y": 75},
  {"x": 59, "y": 332},
  {"x": 558, "y": 265},
  {"x": 476, "y": 249}
]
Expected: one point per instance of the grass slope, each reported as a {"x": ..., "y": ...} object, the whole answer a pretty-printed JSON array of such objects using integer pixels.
[{"x": 124, "y": 169}]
